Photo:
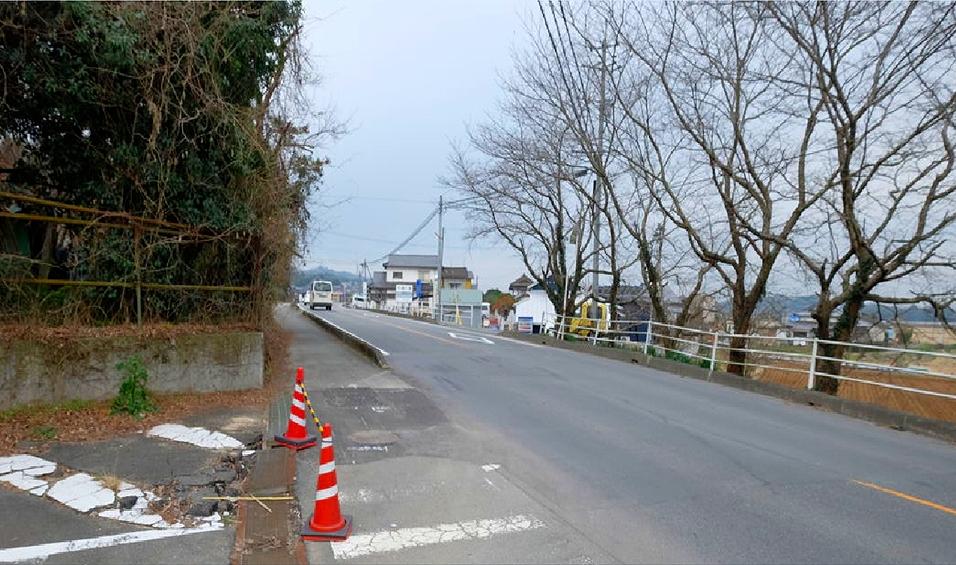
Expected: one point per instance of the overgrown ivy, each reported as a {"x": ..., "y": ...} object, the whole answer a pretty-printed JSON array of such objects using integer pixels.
[{"x": 161, "y": 110}]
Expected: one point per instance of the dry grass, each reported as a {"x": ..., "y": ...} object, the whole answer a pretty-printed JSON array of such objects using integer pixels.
[
  {"x": 910, "y": 402},
  {"x": 59, "y": 334}
]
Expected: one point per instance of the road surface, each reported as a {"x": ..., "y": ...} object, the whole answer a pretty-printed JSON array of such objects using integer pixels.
[{"x": 651, "y": 467}]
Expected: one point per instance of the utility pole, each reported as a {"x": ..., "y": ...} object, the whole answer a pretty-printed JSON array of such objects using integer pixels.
[
  {"x": 436, "y": 292},
  {"x": 596, "y": 194}
]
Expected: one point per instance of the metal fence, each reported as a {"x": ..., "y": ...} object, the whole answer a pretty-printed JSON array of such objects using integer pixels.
[
  {"x": 139, "y": 229},
  {"x": 868, "y": 364}
]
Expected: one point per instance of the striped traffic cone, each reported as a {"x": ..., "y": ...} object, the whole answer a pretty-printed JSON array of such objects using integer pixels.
[
  {"x": 296, "y": 435},
  {"x": 327, "y": 522}
]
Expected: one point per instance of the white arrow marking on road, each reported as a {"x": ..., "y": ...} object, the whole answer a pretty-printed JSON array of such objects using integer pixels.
[
  {"x": 404, "y": 538},
  {"x": 475, "y": 338}
]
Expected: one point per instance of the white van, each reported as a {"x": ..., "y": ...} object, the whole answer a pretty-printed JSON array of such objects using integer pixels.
[
  {"x": 320, "y": 295},
  {"x": 358, "y": 301}
]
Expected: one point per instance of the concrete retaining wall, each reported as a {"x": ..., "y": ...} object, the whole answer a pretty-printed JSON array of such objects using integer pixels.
[
  {"x": 852, "y": 408},
  {"x": 85, "y": 368}
]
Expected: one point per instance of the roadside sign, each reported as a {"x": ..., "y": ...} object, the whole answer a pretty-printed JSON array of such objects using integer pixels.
[
  {"x": 525, "y": 324},
  {"x": 404, "y": 292}
]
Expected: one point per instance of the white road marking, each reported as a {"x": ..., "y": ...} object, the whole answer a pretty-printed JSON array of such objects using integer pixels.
[
  {"x": 404, "y": 538},
  {"x": 520, "y": 342},
  {"x": 470, "y": 337},
  {"x": 200, "y": 437},
  {"x": 45, "y": 550},
  {"x": 490, "y": 467},
  {"x": 367, "y": 448},
  {"x": 491, "y": 484}
]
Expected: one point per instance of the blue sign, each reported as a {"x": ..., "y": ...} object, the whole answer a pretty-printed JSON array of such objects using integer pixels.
[
  {"x": 794, "y": 318},
  {"x": 419, "y": 288}
]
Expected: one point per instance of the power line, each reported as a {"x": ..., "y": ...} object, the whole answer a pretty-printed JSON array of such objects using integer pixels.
[{"x": 411, "y": 237}]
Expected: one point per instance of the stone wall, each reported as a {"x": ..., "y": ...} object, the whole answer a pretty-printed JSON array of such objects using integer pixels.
[{"x": 85, "y": 368}]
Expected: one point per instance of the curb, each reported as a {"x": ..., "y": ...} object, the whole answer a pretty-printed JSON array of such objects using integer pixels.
[
  {"x": 363, "y": 347},
  {"x": 257, "y": 529},
  {"x": 872, "y": 413}
]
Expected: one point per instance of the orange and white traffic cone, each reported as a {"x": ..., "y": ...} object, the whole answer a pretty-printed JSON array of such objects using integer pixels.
[
  {"x": 296, "y": 435},
  {"x": 327, "y": 522}
]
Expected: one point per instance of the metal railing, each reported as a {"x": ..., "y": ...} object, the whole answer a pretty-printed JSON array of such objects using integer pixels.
[{"x": 796, "y": 355}]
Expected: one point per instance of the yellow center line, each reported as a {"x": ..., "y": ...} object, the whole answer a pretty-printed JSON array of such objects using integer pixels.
[{"x": 909, "y": 497}]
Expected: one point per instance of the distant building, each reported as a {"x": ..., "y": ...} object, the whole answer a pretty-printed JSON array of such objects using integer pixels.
[
  {"x": 457, "y": 277},
  {"x": 519, "y": 287},
  {"x": 420, "y": 272}
]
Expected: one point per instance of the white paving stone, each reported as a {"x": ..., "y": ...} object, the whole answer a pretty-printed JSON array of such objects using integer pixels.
[
  {"x": 22, "y": 481},
  {"x": 81, "y": 492},
  {"x": 39, "y": 491},
  {"x": 200, "y": 437},
  {"x": 133, "y": 516},
  {"x": 35, "y": 465}
]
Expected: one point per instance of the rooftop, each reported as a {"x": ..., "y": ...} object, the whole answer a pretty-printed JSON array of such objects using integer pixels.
[{"x": 411, "y": 261}]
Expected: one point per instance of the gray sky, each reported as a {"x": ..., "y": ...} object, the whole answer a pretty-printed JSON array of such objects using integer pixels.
[{"x": 409, "y": 77}]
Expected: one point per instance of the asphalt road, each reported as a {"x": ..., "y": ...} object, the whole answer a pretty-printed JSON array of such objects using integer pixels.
[{"x": 650, "y": 467}]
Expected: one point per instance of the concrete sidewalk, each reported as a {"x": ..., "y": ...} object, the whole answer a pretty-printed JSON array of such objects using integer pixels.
[{"x": 421, "y": 488}]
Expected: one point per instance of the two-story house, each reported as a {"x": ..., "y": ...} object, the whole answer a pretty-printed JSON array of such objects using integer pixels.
[{"x": 404, "y": 270}]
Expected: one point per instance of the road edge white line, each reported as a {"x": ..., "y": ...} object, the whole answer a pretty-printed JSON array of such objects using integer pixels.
[{"x": 42, "y": 551}]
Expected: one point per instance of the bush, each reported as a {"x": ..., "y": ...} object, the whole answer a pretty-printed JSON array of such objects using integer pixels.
[{"x": 133, "y": 398}]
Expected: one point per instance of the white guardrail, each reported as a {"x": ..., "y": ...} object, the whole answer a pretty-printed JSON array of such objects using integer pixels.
[{"x": 788, "y": 354}]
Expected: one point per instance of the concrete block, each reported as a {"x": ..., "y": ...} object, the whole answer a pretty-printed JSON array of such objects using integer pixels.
[
  {"x": 935, "y": 428},
  {"x": 86, "y": 368}
]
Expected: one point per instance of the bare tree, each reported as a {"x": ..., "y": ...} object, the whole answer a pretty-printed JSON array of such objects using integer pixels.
[
  {"x": 883, "y": 75},
  {"x": 710, "y": 65},
  {"x": 518, "y": 191}
]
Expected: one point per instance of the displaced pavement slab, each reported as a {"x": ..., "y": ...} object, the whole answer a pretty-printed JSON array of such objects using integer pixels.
[
  {"x": 273, "y": 472},
  {"x": 135, "y": 458}
]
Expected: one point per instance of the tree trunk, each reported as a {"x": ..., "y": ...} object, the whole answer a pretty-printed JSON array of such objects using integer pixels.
[
  {"x": 829, "y": 385},
  {"x": 741, "y": 317}
]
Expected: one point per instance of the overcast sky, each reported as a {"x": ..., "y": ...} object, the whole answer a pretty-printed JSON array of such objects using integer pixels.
[{"x": 409, "y": 77}]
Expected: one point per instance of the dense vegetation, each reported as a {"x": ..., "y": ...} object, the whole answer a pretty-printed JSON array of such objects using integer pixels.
[{"x": 186, "y": 115}]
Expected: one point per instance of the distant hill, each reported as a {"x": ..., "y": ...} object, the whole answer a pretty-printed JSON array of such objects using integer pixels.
[
  {"x": 302, "y": 278},
  {"x": 779, "y": 304}
]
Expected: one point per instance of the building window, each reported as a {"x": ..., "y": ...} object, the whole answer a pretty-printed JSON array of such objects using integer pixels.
[
  {"x": 454, "y": 285},
  {"x": 397, "y": 275}
]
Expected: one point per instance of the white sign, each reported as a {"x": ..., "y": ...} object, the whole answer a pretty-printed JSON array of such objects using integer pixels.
[{"x": 404, "y": 292}]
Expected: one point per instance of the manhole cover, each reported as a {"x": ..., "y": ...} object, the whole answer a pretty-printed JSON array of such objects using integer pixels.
[{"x": 373, "y": 437}]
